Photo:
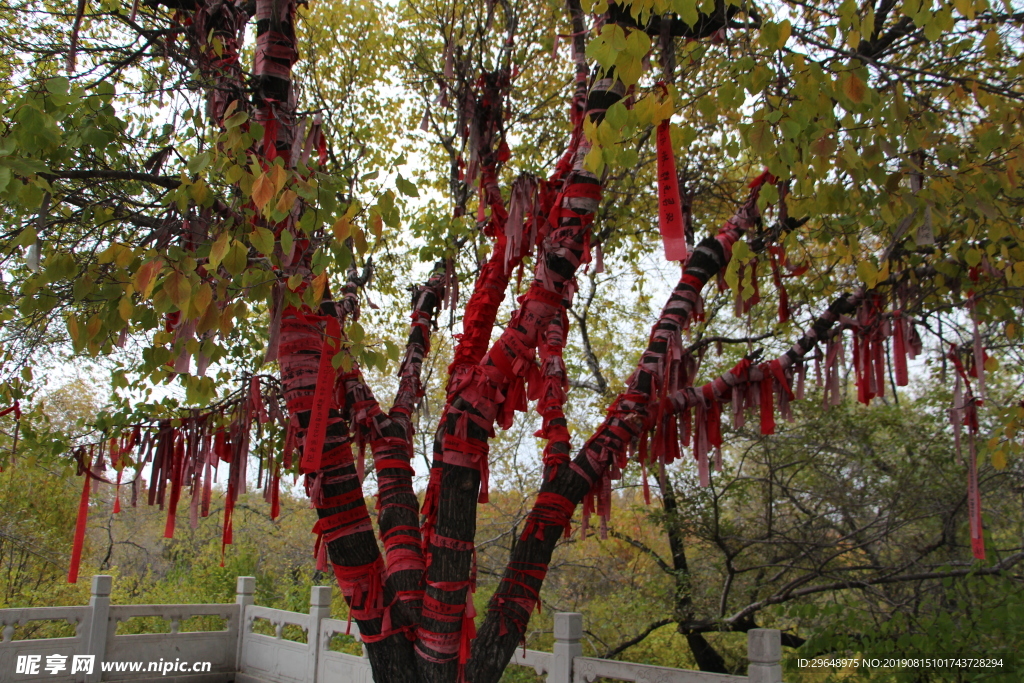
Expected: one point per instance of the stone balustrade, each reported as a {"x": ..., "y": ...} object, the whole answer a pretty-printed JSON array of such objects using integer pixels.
[{"x": 294, "y": 647}]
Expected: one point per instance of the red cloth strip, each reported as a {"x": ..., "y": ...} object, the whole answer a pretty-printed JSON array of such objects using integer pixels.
[
  {"x": 451, "y": 543},
  {"x": 83, "y": 515},
  {"x": 362, "y": 588},
  {"x": 551, "y": 509},
  {"x": 670, "y": 214},
  {"x": 346, "y": 498},
  {"x": 767, "y": 405},
  {"x": 312, "y": 452},
  {"x": 340, "y": 519}
]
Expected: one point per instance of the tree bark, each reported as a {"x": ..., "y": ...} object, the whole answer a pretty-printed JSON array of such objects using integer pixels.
[{"x": 510, "y": 607}]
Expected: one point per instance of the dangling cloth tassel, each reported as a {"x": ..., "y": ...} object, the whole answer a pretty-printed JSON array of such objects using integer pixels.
[
  {"x": 670, "y": 214},
  {"x": 974, "y": 501},
  {"x": 777, "y": 255},
  {"x": 714, "y": 431},
  {"x": 767, "y": 391},
  {"x": 117, "y": 491},
  {"x": 956, "y": 418},
  {"x": 979, "y": 356},
  {"x": 899, "y": 350},
  {"x": 229, "y": 506},
  {"x": 83, "y": 515},
  {"x": 322, "y": 399}
]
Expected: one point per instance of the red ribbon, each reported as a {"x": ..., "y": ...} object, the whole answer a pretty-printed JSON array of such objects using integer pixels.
[
  {"x": 767, "y": 404},
  {"x": 670, "y": 210},
  {"x": 83, "y": 514},
  {"x": 899, "y": 349},
  {"x": 312, "y": 453}
]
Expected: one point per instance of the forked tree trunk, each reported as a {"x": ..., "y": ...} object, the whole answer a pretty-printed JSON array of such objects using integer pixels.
[{"x": 411, "y": 603}]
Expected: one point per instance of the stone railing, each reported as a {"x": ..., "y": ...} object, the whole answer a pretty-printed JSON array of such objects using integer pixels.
[{"x": 293, "y": 647}]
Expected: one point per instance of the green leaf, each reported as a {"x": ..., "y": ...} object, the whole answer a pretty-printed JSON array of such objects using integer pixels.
[
  {"x": 867, "y": 272},
  {"x": 237, "y": 258},
  {"x": 236, "y": 119},
  {"x": 760, "y": 137},
  {"x": 178, "y": 288},
  {"x": 219, "y": 249},
  {"x": 57, "y": 85},
  {"x": 355, "y": 333},
  {"x": 617, "y": 116},
  {"x": 262, "y": 239},
  {"x": 628, "y": 158},
  {"x": 687, "y": 11},
  {"x": 199, "y": 162},
  {"x": 406, "y": 187},
  {"x": 629, "y": 69},
  {"x": 601, "y": 51},
  {"x": 25, "y": 238},
  {"x": 287, "y": 242}
]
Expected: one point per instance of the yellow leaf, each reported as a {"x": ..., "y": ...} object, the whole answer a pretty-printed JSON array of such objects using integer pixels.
[
  {"x": 867, "y": 272},
  {"x": 199, "y": 191},
  {"x": 359, "y": 239},
  {"x": 785, "y": 29},
  {"x": 262, "y": 191},
  {"x": 883, "y": 272},
  {"x": 124, "y": 308},
  {"x": 854, "y": 88},
  {"x": 629, "y": 69},
  {"x": 342, "y": 229},
  {"x": 761, "y": 137},
  {"x": 319, "y": 284},
  {"x": 594, "y": 161},
  {"x": 664, "y": 110},
  {"x": 278, "y": 176},
  {"x": 108, "y": 254},
  {"x": 286, "y": 202},
  {"x": 178, "y": 288},
  {"x": 999, "y": 460},
  {"x": 219, "y": 249},
  {"x": 202, "y": 299},
  {"x": 209, "y": 320},
  {"x": 72, "y": 324},
  {"x": 124, "y": 256},
  {"x": 227, "y": 320},
  {"x": 145, "y": 278}
]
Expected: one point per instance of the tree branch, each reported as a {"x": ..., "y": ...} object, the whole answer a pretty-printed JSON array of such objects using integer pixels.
[{"x": 626, "y": 644}]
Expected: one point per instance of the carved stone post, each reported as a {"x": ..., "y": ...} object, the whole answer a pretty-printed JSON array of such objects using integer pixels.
[
  {"x": 568, "y": 632},
  {"x": 96, "y": 623},
  {"x": 244, "y": 596},
  {"x": 319, "y": 608},
  {"x": 764, "y": 650}
]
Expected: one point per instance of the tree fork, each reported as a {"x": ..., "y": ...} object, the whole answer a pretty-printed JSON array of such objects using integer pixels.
[
  {"x": 473, "y": 409},
  {"x": 510, "y": 607}
]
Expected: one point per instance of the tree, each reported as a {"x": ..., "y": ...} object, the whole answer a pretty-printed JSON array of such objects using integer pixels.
[
  {"x": 891, "y": 138},
  {"x": 856, "y": 511}
]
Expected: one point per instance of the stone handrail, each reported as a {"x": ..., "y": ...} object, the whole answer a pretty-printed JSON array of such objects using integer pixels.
[{"x": 238, "y": 654}]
